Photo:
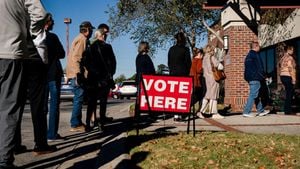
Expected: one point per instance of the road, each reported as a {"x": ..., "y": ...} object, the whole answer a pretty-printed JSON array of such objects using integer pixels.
[{"x": 79, "y": 150}]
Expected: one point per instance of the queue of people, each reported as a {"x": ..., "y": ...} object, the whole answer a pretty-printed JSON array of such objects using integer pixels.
[{"x": 30, "y": 65}]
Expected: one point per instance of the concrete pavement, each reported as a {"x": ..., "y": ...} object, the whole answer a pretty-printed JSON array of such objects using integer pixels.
[{"x": 107, "y": 150}]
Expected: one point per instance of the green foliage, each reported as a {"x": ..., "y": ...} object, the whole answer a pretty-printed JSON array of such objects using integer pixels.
[
  {"x": 157, "y": 21},
  {"x": 275, "y": 16},
  {"x": 120, "y": 78},
  {"x": 161, "y": 68}
]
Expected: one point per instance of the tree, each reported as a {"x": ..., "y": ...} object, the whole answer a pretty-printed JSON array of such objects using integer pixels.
[
  {"x": 161, "y": 68},
  {"x": 158, "y": 21},
  {"x": 120, "y": 78}
]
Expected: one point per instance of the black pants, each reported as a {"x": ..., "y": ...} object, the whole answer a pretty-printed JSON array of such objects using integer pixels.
[
  {"x": 289, "y": 91},
  {"x": 93, "y": 95},
  {"x": 264, "y": 93},
  {"x": 35, "y": 80}
]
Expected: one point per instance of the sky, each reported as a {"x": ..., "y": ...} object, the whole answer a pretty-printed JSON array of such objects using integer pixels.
[{"x": 94, "y": 11}]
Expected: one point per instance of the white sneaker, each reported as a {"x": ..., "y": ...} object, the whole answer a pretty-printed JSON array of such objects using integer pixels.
[
  {"x": 265, "y": 112},
  {"x": 248, "y": 115},
  {"x": 217, "y": 116},
  {"x": 200, "y": 116}
]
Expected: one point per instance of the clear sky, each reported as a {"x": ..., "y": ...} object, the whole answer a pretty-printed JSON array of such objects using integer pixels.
[{"x": 94, "y": 11}]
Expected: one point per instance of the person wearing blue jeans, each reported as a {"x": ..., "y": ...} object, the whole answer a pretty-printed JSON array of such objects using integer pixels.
[
  {"x": 55, "y": 73},
  {"x": 75, "y": 72},
  {"x": 254, "y": 74}
]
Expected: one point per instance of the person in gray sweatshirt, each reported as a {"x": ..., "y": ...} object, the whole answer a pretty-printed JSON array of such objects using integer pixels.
[{"x": 17, "y": 18}]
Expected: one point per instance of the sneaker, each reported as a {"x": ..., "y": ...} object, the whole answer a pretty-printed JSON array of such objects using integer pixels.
[
  {"x": 200, "y": 116},
  {"x": 80, "y": 128},
  {"x": 43, "y": 150},
  {"x": 248, "y": 115},
  {"x": 265, "y": 112},
  {"x": 217, "y": 116},
  {"x": 20, "y": 149},
  {"x": 57, "y": 138}
]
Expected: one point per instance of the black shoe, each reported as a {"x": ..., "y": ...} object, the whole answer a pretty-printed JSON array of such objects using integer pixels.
[
  {"x": 106, "y": 119},
  {"x": 11, "y": 166},
  {"x": 19, "y": 149},
  {"x": 88, "y": 129},
  {"x": 43, "y": 150}
]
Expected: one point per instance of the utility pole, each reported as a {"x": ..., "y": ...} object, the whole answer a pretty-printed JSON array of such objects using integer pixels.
[{"x": 67, "y": 21}]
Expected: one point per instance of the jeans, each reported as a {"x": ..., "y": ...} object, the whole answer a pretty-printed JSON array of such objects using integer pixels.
[
  {"x": 54, "y": 89},
  {"x": 289, "y": 90},
  {"x": 253, "y": 97},
  {"x": 77, "y": 104}
]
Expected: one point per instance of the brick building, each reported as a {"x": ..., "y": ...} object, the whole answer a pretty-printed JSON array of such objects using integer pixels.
[{"x": 239, "y": 23}]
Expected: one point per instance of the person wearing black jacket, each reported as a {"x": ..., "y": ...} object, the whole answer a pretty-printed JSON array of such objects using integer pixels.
[
  {"x": 55, "y": 74},
  {"x": 254, "y": 74},
  {"x": 143, "y": 62},
  {"x": 179, "y": 59},
  {"x": 101, "y": 66}
]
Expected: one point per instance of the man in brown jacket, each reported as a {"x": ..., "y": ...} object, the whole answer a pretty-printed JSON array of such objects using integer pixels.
[{"x": 79, "y": 45}]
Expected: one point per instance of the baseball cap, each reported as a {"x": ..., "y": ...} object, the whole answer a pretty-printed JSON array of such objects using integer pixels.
[{"x": 86, "y": 24}]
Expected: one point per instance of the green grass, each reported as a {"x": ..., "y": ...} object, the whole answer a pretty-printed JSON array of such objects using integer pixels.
[{"x": 213, "y": 150}]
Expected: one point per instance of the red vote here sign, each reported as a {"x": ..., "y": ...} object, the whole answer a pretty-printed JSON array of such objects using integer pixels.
[{"x": 166, "y": 93}]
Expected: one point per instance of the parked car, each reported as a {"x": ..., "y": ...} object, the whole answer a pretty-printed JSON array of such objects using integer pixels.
[
  {"x": 127, "y": 89},
  {"x": 114, "y": 93},
  {"x": 66, "y": 90}
]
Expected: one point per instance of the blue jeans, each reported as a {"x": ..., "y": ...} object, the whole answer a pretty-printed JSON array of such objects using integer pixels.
[
  {"x": 77, "y": 104},
  {"x": 54, "y": 89},
  {"x": 253, "y": 98}
]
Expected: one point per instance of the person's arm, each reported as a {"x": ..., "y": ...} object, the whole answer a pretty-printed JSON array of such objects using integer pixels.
[
  {"x": 188, "y": 60},
  {"x": 292, "y": 69},
  {"x": 37, "y": 16},
  {"x": 113, "y": 62},
  {"x": 77, "y": 52},
  {"x": 60, "y": 52}
]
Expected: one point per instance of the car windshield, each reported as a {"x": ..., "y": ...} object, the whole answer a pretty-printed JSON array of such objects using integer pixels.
[{"x": 131, "y": 83}]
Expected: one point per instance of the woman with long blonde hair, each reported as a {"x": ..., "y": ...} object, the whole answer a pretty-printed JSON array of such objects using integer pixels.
[{"x": 212, "y": 87}]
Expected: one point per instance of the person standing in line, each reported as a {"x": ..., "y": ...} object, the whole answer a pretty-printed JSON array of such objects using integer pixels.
[
  {"x": 143, "y": 62},
  {"x": 212, "y": 87},
  {"x": 197, "y": 72},
  {"x": 179, "y": 60},
  {"x": 287, "y": 67},
  {"x": 73, "y": 69},
  {"x": 105, "y": 67},
  {"x": 55, "y": 74},
  {"x": 254, "y": 74},
  {"x": 16, "y": 17}
]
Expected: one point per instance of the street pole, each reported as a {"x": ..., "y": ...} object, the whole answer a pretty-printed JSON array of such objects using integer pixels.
[{"x": 67, "y": 21}]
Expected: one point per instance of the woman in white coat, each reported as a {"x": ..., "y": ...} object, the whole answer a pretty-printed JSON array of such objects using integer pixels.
[{"x": 212, "y": 87}]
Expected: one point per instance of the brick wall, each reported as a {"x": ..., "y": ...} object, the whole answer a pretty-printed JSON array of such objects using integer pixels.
[{"x": 236, "y": 88}]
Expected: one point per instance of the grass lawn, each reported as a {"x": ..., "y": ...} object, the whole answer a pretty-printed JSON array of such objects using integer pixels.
[{"x": 213, "y": 150}]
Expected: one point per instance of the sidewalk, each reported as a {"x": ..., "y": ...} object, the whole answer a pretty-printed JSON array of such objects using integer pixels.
[{"x": 107, "y": 150}]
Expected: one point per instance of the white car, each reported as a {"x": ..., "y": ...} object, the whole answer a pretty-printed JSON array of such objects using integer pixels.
[{"x": 127, "y": 89}]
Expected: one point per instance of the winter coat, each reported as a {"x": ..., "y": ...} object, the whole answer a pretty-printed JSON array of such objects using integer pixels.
[{"x": 253, "y": 67}]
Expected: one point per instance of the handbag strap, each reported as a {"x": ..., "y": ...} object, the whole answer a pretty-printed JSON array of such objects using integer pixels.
[{"x": 211, "y": 63}]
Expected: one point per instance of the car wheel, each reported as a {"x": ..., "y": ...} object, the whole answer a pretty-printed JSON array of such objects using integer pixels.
[
  {"x": 121, "y": 97},
  {"x": 115, "y": 96}
]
